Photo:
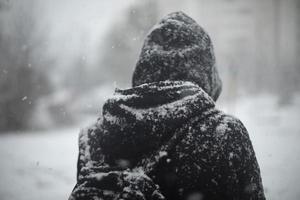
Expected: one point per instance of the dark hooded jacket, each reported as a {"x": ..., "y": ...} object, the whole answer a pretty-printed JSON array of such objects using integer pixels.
[{"x": 164, "y": 138}]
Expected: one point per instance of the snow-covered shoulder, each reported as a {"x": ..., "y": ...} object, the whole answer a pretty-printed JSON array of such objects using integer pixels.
[{"x": 231, "y": 125}]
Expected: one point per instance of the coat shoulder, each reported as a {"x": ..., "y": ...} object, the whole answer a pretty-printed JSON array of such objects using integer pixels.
[{"x": 230, "y": 124}]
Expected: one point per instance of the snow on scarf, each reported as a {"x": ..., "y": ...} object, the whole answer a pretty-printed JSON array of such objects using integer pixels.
[{"x": 139, "y": 120}]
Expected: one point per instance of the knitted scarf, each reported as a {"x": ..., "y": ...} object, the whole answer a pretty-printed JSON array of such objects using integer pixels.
[{"x": 137, "y": 121}]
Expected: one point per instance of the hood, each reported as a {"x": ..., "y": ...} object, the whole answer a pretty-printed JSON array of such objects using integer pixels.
[
  {"x": 138, "y": 120},
  {"x": 177, "y": 48}
]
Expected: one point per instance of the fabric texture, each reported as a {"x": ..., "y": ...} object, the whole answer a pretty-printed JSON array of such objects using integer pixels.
[
  {"x": 177, "y": 48},
  {"x": 164, "y": 139},
  {"x": 173, "y": 136}
]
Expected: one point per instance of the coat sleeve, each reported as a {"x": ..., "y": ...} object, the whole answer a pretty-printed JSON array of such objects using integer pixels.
[
  {"x": 243, "y": 168},
  {"x": 98, "y": 180}
]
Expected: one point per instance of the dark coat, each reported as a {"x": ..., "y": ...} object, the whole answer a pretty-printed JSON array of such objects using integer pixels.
[
  {"x": 170, "y": 134},
  {"x": 163, "y": 138}
]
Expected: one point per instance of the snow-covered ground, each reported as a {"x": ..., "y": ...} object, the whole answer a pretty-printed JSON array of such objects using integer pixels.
[
  {"x": 42, "y": 165},
  {"x": 38, "y": 165}
]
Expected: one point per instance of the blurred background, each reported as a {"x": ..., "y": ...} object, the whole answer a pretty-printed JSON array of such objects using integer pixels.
[{"x": 61, "y": 59}]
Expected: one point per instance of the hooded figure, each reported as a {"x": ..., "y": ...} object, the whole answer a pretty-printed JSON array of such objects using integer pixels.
[{"x": 163, "y": 138}]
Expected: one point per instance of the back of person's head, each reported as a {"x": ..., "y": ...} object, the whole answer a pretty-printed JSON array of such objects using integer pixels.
[{"x": 177, "y": 48}]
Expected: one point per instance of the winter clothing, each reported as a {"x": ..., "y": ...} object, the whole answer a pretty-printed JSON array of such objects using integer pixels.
[
  {"x": 172, "y": 132},
  {"x": 165, "y": 139},
  {"x": 177, "y": 48}
]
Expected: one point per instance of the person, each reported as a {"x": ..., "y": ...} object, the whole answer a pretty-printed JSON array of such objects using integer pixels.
[{"x": 164, "y": 138}]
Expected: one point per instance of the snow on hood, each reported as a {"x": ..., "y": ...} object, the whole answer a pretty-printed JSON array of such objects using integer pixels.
[
  {"x": 138, "y": 120},
  {"x": 177, "y": 48}
]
